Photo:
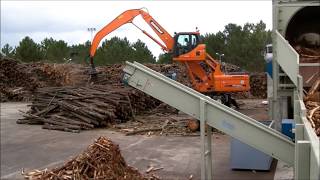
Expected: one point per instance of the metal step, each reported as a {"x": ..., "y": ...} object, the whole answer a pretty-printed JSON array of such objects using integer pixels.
[{"x": 210, "y": 111}]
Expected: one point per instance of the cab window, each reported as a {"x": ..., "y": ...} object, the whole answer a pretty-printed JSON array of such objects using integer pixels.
[
  {"x": 183, "y": 40},
  {"x": 185, "y": 43}
]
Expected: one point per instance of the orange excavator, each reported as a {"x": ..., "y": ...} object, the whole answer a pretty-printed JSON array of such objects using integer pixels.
[{"x": 204, "y": 71}]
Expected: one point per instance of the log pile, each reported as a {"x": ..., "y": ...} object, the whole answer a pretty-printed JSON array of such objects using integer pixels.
[
  {"x": 313, "y": 115},
  {"x": 167, "y": 69},
  {"x": 258, "y": 85},
  {"x": 312, "y": 102},
  {"x": 227, "y": 67},
  {"x": 13, "y": 75},
  {"x": 66, "y": 74},
  {"x": 79, "y": 108},
  {"x": 308, "y": 55},
  {"x": 19, "y": 80},
  {"x": 15, "y": 81},
  {"x": 101, "y": 160},
  {"x": 112, "y": 74}
]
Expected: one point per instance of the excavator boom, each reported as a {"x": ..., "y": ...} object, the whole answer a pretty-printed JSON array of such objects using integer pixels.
[{"x": 127, "y": 17}]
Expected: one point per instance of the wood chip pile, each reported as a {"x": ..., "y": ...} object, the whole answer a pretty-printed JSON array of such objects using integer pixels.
[
  {"x": 77, "y": 108},
  {"x": 101, "y": 160}
]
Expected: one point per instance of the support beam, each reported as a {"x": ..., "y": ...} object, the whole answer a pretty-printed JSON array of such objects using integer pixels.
[
  {"x": 209, "y": 152},
  {"x": 203, "y": 140},
  {"x": 206, "y": 145},
  {"x": 302, "y": 166}
]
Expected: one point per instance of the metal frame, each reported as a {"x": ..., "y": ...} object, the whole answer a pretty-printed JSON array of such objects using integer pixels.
[
  {"x": 307, "y": 148},
  {"x": 211, "y": 113}
]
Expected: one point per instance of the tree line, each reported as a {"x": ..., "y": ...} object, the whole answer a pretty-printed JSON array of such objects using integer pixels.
[
  {"x": 115, "y": 50},
  {"x": 241, "y": 45}
]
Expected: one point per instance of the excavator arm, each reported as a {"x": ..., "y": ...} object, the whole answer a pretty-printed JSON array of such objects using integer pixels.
[{"x": 127, "y": 17}]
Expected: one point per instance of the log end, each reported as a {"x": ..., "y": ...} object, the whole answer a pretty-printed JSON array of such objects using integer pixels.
[{"x": 193, "y": 125}]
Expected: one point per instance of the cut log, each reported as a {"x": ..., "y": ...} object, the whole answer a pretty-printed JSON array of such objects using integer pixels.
[
  {"x": 142, "y": 131},
  {"x": 60, "y": 128},
  {"x": 193, "y": 124}
]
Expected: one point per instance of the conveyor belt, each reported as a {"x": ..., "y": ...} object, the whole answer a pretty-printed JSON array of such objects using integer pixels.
[{"x": 218, "y": 115}]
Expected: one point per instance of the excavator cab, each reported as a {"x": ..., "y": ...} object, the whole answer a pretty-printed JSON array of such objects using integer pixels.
[
  {"x": 188, "y": 47},
  {"x": 185, "y": 42}
]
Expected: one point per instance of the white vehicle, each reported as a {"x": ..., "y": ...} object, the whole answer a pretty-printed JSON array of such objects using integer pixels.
[{"x": 268, "y": 53}]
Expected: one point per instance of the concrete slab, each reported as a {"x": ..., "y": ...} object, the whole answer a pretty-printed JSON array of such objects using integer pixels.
[
  {"x": 30, "y": 147},
  {"x": 283, "y": 172}
]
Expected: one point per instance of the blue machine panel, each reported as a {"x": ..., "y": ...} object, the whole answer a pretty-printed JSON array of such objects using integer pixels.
[{"x": 286, "y": 127}]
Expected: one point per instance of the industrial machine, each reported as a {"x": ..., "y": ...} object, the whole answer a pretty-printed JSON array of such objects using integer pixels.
[
  {"x": 296, "y": 22},
  {"x": 292, "y": 19},
  {"x": 204, "y": 71}
]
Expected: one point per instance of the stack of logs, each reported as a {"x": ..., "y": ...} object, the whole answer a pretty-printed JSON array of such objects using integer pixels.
[
  {"x": 76, "y": 108},
  {"x": 167, "y": 69},
  {"x": 258, "y": 85},
  {"x": 14, "y": 80},
  {"x": 113, "y": 73},
  {"x": 19, "y": 80},
  {"x": 101, "y": 160}
]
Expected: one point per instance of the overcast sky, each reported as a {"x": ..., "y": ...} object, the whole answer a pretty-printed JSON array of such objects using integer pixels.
[{"x": 69, "y": 20}]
